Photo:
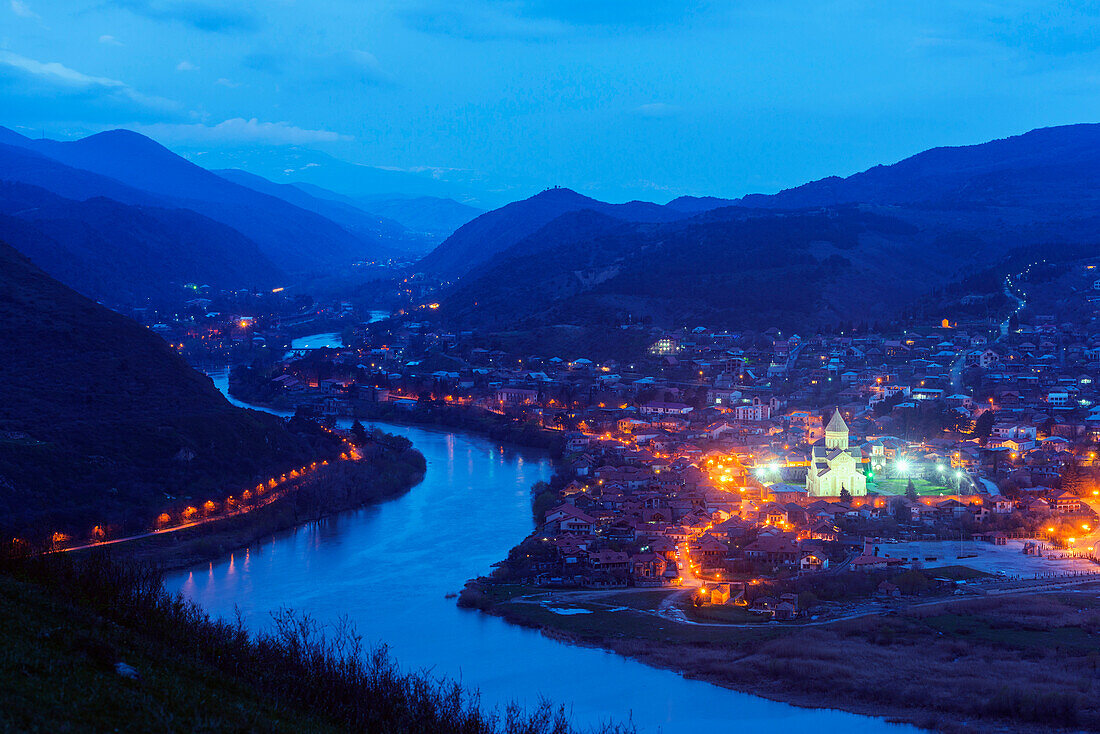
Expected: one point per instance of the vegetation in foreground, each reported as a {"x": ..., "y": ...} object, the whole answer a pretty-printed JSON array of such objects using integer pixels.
[
  {"x": 1022, "y": 663},
  {"x": 91, "y": 644}
]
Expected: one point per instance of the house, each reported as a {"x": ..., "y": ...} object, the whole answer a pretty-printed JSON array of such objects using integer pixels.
[
  {"x": 713, "y": 593},
  {"x": 662, "y": 408},
  {"x": 648, "y": 567},
  {"x": 708, "y": 551},
  {"x": 608, "y": 560},
  {"x": 516, "y": 396},
  {"x": 1066, "y": 502},
  {"x": 813, "y": 562},
  {"x": 891, "y": 591},
  {"x": 780, "y": 549},
  {"x": 869, "y": 560},
  {"x": 569, "y": 519}
]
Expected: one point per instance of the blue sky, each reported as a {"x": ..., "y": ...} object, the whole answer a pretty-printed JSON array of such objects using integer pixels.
[{"x": 498, "y": 99}]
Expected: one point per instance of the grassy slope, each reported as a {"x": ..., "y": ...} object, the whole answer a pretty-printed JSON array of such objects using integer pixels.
[{"x": 57, "y": 663}]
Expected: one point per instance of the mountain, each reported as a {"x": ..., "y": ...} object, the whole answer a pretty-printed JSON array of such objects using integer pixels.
[
  {"x": 120, "y": 253},
  {"x": 494, "y": 232},
  {"x": 101, "y": 421},
  {"x": 18, "y": 164},
  {"x": 863, "y": 248},
  {"x": 431, "y": 215},
  {"x": 387, "y": 232},
  {"x": 293, "y": 238},
  {"x": 1043, "y": 172},
  {"x": 729, "y": 266}
]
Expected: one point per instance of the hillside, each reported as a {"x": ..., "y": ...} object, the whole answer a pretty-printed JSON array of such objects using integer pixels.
[
  {"x": 118, "y": 253},
  {"x": 293, "y": 238},
  {"x": 496, "y": 231},
  {"x": 725, "y": 267},
  {"x": 863, "y": 248},
  {"x": 101, "y": 422}
]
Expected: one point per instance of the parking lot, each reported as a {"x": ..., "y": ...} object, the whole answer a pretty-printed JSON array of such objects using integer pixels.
[{"x": 983, "y": 556}]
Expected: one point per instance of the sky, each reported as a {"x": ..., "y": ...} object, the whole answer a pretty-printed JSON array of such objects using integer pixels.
[{"x": 497, "y": 99}]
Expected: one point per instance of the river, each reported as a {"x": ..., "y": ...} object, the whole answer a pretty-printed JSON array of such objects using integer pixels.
[{"x": 388, "y": 567}]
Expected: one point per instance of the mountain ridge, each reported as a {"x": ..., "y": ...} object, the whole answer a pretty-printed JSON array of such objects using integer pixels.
[{"x": 294, "y": 238}]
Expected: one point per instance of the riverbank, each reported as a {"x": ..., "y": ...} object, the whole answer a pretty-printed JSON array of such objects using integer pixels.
[
  {"x": 1013, "y": 663},
  {"x": 389, "y": 469},
  {"x": 437, "y": 414},
  {"x": 465, "y": 418}
]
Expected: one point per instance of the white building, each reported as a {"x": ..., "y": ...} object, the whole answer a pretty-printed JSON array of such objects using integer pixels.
[{"x": 834, "y": 466}]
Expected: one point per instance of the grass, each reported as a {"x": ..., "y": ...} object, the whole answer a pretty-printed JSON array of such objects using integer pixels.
[
  {"x": 727, "y": 613},
  {"x": 897, "y": 486},
  {"x": 647, "y": 600},
  {"x": 57, "y": 661},
  {"x": 956, "y": 573}
]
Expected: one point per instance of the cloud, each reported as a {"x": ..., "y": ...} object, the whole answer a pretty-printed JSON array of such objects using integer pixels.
[
  {"x": 360, "y": 66},
  {"x": 215, "y": 17},
  {"x": 109, "y": 40},
  {"x": 239, "y": 130},
  {"x": 20, "y": 8},
  {"x": 58, "y": 76},
  {"x": 186, "y": 65},
  {"x": 223, "y": 82}
]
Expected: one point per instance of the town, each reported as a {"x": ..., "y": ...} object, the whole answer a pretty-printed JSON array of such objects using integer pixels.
[{"x": 737, "y": 466}]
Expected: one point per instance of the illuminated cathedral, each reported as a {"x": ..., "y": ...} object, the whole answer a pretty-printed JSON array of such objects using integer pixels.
[{"x": 834, "y": 466}]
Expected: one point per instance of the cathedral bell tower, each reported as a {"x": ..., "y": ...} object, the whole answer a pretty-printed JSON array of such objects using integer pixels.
[{"x": 836, "y": 433}]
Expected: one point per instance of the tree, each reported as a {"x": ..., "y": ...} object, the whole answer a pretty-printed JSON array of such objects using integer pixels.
[
  {"x": 911, "y": 490},
  {"x": 359, "y": 433},
  {"x": 845, "y": 495},
  {"x": 912, "y": 582},
  {"x": 1073, "y": 480},
  {"x": 983, "y": 426}
]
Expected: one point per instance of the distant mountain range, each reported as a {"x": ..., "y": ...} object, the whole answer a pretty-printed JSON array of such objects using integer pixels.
[
  {"x": 432, "y": 216},
  {"x": 494, "y": 232},
  {"x": 101, "y": 422},
  {"x": 859, "y": 248},
  {"x": 228, "y": 229},
  {"x": 125, "y": 253}
]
